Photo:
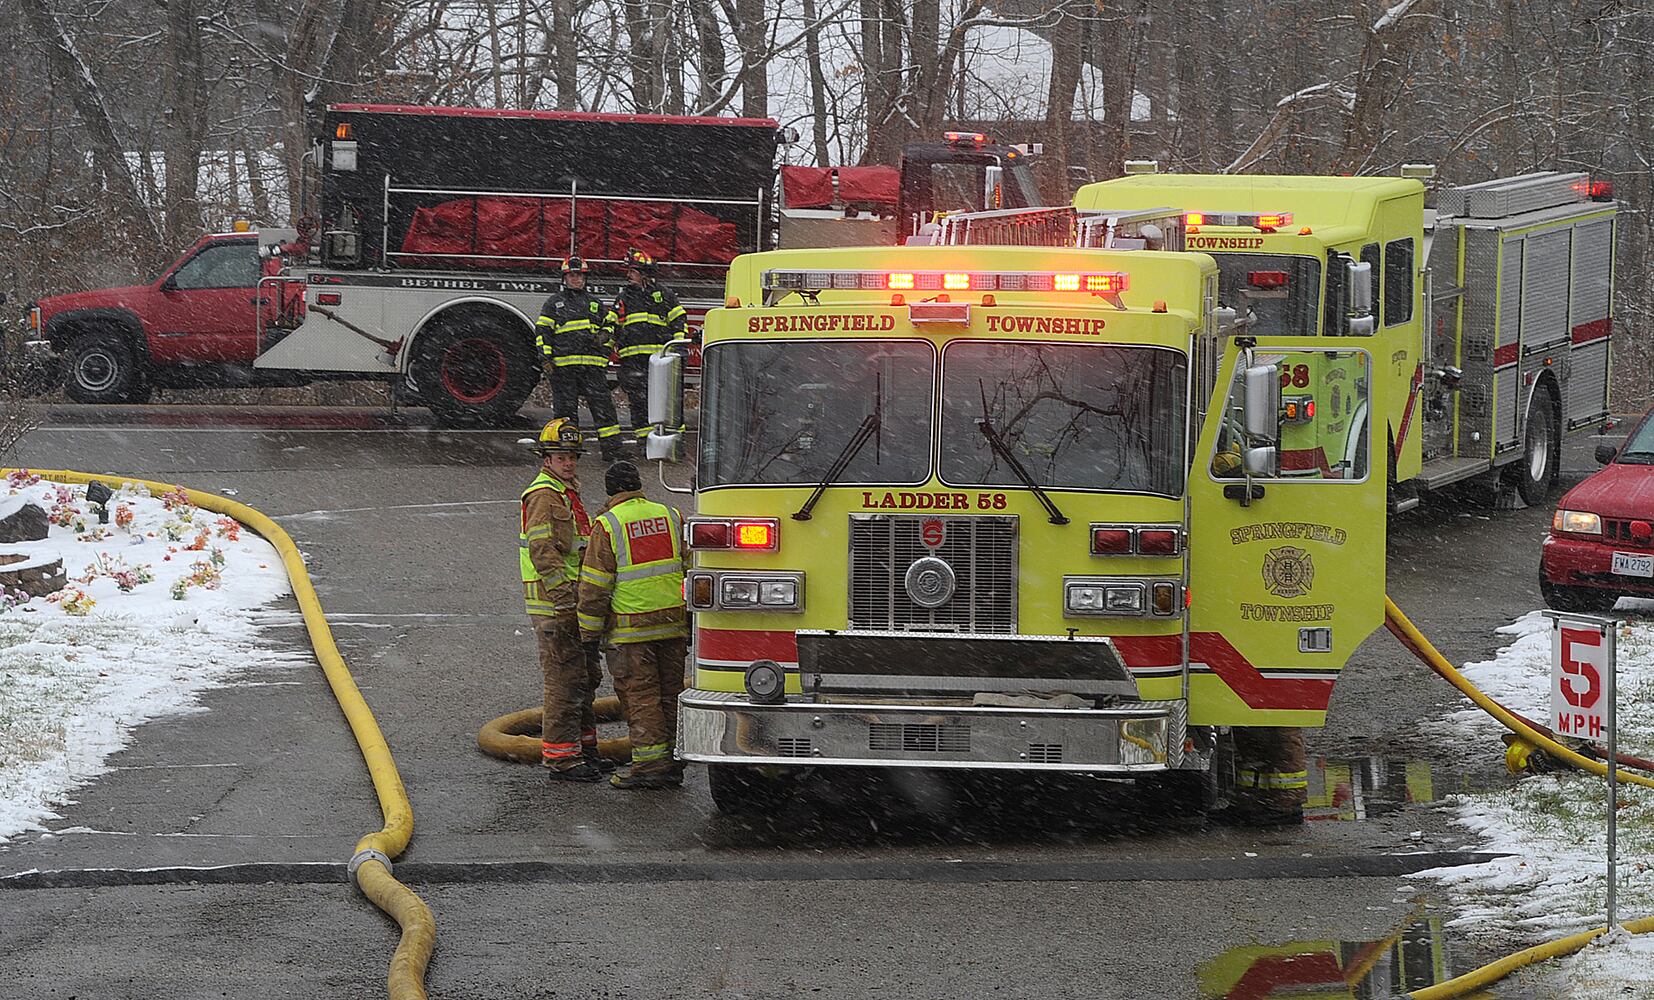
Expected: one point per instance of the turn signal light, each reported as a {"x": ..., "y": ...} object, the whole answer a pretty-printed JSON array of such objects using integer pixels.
[
  {"x": 1158, "y": 541},
  {"x": 746, "y": 533},
  {"x": 709, "y": 534},
  {"x": 1163, "y": 597},
  {"x": 755, "y": 534},
  {"x": 1110, "y": 541},
  {"x": 1642, "y": 531}
]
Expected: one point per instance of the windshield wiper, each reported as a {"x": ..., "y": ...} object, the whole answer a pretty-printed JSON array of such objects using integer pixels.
[
  {"x": 869, "y": 427},
  {"x": 1003, "y": 451}
]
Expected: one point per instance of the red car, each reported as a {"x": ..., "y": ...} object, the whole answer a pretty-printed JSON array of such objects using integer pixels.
[{"x": 1601, "y": 545}]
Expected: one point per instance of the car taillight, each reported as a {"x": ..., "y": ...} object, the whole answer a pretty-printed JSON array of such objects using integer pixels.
[
  {"x": 329, "y": 299},
  {"x": 1110, "y": 541},
  {"x": 1158, "y": 541}
]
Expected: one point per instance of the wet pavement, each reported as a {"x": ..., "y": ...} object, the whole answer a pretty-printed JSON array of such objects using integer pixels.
[{"x": 901, "y": 884}]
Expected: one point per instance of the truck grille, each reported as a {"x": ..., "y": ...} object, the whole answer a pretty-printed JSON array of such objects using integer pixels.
[
  {"x": 1618, "y": 531},
  {"x": 919, "y": 737},
  {"x": 981, "y": 551}
]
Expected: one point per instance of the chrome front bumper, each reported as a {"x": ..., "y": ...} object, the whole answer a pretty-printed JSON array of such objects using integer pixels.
[{"x": 726, "y": 727}]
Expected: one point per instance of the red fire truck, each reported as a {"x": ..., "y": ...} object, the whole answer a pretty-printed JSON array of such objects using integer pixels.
[{"x": 437, "y": 235}]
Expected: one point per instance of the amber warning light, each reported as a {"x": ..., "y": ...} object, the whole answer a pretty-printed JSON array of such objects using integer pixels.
[
  {"x": 744, "y": 533},
  {"x": 342, "y": 131}
]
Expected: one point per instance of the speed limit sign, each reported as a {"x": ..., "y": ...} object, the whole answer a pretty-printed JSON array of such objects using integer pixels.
[{"x": 1582, "y": 706}]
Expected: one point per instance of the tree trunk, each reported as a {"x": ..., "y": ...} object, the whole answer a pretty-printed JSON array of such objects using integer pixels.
[
  {"x": 89, "y": 104},
  {"x": 753, "y": 32},
  {"x": 714, "y": 60},
  {"x": 1067, "y": 49},
  {"x": 818, "y": 87},
  {"x": 566, "y": 69}
]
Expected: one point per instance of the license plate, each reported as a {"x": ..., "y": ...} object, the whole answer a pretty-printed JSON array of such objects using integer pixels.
[{"x": 1631, "y": 564}]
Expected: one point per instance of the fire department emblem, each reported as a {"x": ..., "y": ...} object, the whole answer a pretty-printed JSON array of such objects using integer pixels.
[{"x": 1288, "y": 572}]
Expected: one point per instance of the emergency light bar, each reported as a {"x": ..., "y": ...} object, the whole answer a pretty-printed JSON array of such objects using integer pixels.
[
  {"x": 1265, "y": 221},
  {"x": 1093, "y": 283}
]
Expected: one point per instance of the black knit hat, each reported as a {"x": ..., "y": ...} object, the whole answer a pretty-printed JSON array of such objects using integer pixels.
[{"x": 622, "y": 477}]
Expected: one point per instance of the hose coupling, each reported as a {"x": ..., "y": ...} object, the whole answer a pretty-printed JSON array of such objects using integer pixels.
[{"x": 362, "y": 857}]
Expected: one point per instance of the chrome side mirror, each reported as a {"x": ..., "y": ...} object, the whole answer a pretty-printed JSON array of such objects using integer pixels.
[
  {"x": 1262, "y": 401},
  {"x": 1358, "y": 278},
  {"x": 990, "y": 187},
  {"x": 665, "y": 442}
]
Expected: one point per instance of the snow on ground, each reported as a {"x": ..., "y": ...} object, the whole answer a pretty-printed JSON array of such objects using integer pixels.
[
  {"x": 159, "y": 607},
  {"x": 1553, "y": 825}
]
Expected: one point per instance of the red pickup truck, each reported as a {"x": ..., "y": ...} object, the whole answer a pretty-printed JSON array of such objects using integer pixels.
[{"x": 199, "y": 323}]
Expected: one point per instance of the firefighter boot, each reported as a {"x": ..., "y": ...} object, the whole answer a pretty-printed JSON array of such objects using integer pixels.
[
  {"x": 603, "y": 764},
  {"x": 629, "y": 780},
  {"x": 581, "y": 770}
]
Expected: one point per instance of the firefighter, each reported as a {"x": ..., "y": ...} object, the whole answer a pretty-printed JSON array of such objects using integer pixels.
[
  {"x": 554, "y": 531},
  {"x": 631, "y": 590},
  {"x": 575, "y": 341},
  {"x": 1271, "y": 775},
  {"x": 646, "y": 315}
]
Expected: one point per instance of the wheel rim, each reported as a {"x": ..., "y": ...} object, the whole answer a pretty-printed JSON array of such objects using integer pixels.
[
  {"x": 473, "y": 370},
  {"x": 1539, "y": 436},
  {"x": 96, "y": 371}
]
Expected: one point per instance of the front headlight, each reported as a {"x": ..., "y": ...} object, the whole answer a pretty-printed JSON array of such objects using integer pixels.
[
  {"x": 1102, "y": 597},
  {"x": 778, "y": 593},
  {"x": 740, "y": 593},
  {"x": 1577, "y": 522}
]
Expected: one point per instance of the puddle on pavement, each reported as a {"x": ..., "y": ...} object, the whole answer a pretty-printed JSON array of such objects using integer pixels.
[
  {"x": 1342, "y": 790},
  {"x": 867, "y": 806},
  {"x": 1413, "y": 955}
]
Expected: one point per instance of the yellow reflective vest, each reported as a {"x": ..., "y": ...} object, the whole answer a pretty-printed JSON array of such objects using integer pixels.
[{"x": 636, "y": 560}]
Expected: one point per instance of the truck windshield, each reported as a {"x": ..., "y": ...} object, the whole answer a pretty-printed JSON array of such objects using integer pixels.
[
  {"x": 1281, "y": 293},
  {"x": 780, "y": 412},
  {"x": 1079, "y": 416}
]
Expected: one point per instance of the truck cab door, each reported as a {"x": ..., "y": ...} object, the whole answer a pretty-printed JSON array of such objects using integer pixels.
[
  {"x": 205, "y": 310},
  {"x": 1287, "y": 530}
]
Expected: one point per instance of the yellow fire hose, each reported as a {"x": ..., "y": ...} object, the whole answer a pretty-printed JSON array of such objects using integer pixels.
[
  {"x": 370, "y": 867},
  {"x": 1480, "y": 979},
  {"x": 517, "y": 736}
]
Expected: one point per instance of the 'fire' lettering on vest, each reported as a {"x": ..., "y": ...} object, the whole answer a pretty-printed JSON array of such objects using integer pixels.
[{"x": 649, "y": 539}]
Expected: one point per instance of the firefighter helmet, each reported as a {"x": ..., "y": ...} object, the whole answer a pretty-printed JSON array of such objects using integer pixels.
[
  {"x": 638, "y": 260},
  {"x": 560, "y": 434},
  {"x": 575, "y": 265}
]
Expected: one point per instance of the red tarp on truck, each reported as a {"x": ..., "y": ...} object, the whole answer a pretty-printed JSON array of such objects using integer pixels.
[
  {"x": 488, "y": 231},
  {"x": 812, "y": 187}
]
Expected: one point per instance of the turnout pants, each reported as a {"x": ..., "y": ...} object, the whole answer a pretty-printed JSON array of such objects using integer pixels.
[
  {"x": 1272, "y": 775},
  {"x": 569, "y": 383},
  {"x": 634, "y": 382},
  {"x": 568, "y": 726},
  {"x": 648, "y": 678}
]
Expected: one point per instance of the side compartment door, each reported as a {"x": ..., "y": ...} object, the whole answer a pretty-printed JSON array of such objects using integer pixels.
[{"x": 1287, "y": 530}]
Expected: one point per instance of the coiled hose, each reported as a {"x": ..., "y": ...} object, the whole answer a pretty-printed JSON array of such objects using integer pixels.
[
  {"x": 1480, "y": 979},
  {"x": 370, "y": 867}
]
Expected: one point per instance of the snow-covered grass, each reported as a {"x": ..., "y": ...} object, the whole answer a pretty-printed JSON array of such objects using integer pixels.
[
  {"x": 1553, "y": 826},
  {"x": 159, "y": 607}
]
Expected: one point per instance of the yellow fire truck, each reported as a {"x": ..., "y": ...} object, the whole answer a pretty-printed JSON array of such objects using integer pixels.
[
  {"x": 1512, "y": 278},
  {"x": 1013, "y": 507}
]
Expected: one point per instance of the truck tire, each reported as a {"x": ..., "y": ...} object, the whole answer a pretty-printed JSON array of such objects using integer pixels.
[
  {"x": 1536, "y": 472},
  {"x": 472, "y": 370},
  {"x": 744, "y": 790},
  {"x": 104, "y": 368}
]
